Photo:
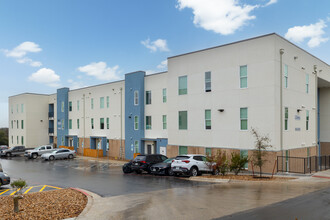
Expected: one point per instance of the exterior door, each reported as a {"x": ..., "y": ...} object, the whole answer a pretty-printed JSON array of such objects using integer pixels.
[{"x": 149, "y": 149}]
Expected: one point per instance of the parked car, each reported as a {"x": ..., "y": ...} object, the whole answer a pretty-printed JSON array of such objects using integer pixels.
[
  {"x": 59, "y": 154},
  {"x": 3, "y": 147},
  {"x": 192, "y": 165},
  {"x": 13, "y": 151},
  {"x": 163, "y": 168},
  {"x": 4, "y": 178},
  {"x": 38, "y": 151},
  {"x": 143, "y": 162}
]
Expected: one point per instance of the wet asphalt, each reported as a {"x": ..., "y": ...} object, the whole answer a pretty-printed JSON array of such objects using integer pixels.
[{"x": 102, "y": 178}]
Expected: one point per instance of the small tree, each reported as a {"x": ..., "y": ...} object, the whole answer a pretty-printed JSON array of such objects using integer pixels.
[
  {"x": 238, "y": 162},
  {"x": 218, "y": 162},
  {"x": 18, "y": 185},
  {"x": 261, "y": 145}
]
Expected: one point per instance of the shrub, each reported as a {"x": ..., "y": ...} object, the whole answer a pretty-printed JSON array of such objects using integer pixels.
[
  {"x": 237, "y": 162},
  {"x": 219, "y": 162},
  {"x": 18, "y": 185}
]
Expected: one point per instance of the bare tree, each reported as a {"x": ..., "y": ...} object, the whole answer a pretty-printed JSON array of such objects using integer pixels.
[{"x": 262, "y": 142}]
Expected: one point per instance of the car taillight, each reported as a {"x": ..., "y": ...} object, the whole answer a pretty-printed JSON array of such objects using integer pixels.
[
  {"x": 142, "y": 161},
  {"x": 186, "y": 161},
  {"x": 172, "y": 161}
]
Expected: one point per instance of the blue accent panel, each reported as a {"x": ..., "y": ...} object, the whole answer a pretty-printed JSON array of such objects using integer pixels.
[
  {"x": 134, "y": 82},
  {"x": 92, "y": 143},
  {"x": 161, "y": 142},
  {"x": 75, "y": 142},
  {"x": 62, "y": 97},
  {"x": 104, "y": 145}
]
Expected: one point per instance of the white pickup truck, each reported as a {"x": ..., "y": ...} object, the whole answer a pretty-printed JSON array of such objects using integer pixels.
[{"x": 38, "y": 151}]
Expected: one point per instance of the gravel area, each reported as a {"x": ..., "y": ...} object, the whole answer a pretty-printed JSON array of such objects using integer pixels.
[
  {"x": 249, "y": 177},
  {"x": 55, "y": 204}
]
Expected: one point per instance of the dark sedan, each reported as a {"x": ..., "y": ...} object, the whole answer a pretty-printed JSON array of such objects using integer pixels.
[
  {"x": 163, "y": 168},
  {"x": 143, "y": 163}
]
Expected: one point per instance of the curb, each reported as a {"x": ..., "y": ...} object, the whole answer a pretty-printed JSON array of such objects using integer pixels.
[
  {"x": 199, "y": 179},
  {"x": 90, "y": 201}
]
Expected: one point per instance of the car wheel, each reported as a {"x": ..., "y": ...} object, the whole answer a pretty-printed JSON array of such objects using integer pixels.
[
  {"x": 193, "y": 171},
  {"x": 127, "y": 169},
  {"x": 170, "y": 172},
  {"x": 51, "y": 158},
  {"x": 34, "y": 156},
  {"x": 8, "y": 154},
  {"x": 70, "y": 156},
  {"x": 138, "y": 171}
]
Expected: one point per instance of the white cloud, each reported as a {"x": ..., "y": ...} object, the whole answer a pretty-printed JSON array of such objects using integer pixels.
[
  {"x": 221, "y": 16},
  {"x": 22, "y": 49},
  {"x": 162, "y": 65},
  {"x": 271, "y": 2},
  {"x": 149, "y": 72},
  {"x": 159, "y": 44},
  {"x": 75, "y": 85},
  {"x": 46, "y": 76},
  {"x": 29, "y": 61},
  {"x": 100, "y": 71},
  {"x": 313, "y": 32}
]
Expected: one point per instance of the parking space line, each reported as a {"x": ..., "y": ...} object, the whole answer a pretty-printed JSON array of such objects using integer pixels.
[
  {"x": 43, "y": 188},
  {"x": 4, "y": 191},
  {"x": 54, "y": 187},
  {"x": 14, "y": 192},
  {"x": 28, "y": 190}
]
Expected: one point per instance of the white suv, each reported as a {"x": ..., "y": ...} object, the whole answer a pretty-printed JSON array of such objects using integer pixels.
[{"x": 191, "y": 164}]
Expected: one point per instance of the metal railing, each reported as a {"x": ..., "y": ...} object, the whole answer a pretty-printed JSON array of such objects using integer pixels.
[{"x": 302, "y": 164}]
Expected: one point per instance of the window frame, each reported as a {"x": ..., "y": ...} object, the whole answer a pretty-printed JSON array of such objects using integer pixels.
[
  {"x": 208, "y": 80},
  {"x": 244, "y": 119},
  {"x": 92, "y": 123},
  {"x": 164, "y": 95},
  {"x": 307, "y": 120},
  {"x": 183, "y": 91},
  {"x": 180, "y": 125},
  {"x": 148, "y": 119},
  {"x": 241, "y": 77},
  {"x": 307, "y": 83},
  {"x": 70, "y": 106},
  {"x": 108, "y": 102},
  {"x": 136, "y": 146},
  {"x": 101, "y": 102},
  {"x": 108, "y": 123},
  {"x": 102, "y": 126},
  {"x": 286, "y": 76},
  {"x": 136, "y": 97},
  {"x": 286, "y": 118},
  {"x": 70, "y": 123},
  {"x": 164, "y": 120},
  {"x": 148, "y": 97},
  {"x": 78, "y": 124},
  {"x": 136, "y": 122}
]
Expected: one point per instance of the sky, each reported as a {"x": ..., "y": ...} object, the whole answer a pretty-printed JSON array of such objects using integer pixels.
[{"x": 49, "y": 44}]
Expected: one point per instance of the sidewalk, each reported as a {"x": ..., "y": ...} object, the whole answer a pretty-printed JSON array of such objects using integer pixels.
[{"x": 102, "y": 160}]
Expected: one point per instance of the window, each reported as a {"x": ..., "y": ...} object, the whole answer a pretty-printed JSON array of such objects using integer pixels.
[
  {"x": 92, "y": 123},
  {"x": 208, "y": 151},
  {"x": 62, "y": 141},
  {"x": 286, "y": 118},
  {"x": 22, "y": 140},
  {"x": 148, "y": 97},
  {"x": 307, "y": 83},
  {"x": 286, "y": 76},
  {"x": 62, "y": 122},
  {"x": 244, "y": 153},
  {"x": 307, "y": 120},
  {"x": 208, "y": 119},
  {"x": 12, "y": 109},
  {"x": 70, "y": 106},
  {"x": 244, "y": 118},
  {"x": 108, "y": 102},
  {"x": 108, "y": 123},
  {"x": 102, "y": 102},
  {"x": 183, "y": 122},
  {"x": 78, "y": 103},
  {"x": 12, "y": 139},
  {"x": 70, "y": 123},
  {"x": 17, "y": 139},
  {"x": 164, "y": 96},
  {"x": 92, "y": 103},
  {"x": 62, "y": 106},
  {"x": 12, "y": 124},
  {"x": 207, "y": 81},
  {"x": 101, "y": 123},
  {"x": 136, "y": 146},
  {"x": 243, "y": 76},
  {"x": 136, "y": 97},
  {"x": 148, "y": 122},
  {"x": 183, "y": 150},
  {"x": 22, "y": 108},
  {"x": 78, "y": 125},
  {"x": 136, "y": 122},
  {"x": 164, "y": 122},
  {"x": 22, "y": 124},
  {"x": 17, "y": 124},
  {"x": 183, "y": 85}
]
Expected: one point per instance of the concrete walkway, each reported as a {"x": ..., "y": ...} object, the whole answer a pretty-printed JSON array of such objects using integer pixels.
[{"x": 201, "y": 202}]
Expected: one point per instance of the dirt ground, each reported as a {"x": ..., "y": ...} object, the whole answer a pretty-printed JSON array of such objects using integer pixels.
[{"x": 55, "y": 204}]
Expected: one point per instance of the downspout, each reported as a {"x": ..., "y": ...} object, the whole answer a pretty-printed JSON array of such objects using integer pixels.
[
  {"x": 316, "y": 115},
  {"x": 121, "y": 123},
  {"x": 281, "y": 105}
]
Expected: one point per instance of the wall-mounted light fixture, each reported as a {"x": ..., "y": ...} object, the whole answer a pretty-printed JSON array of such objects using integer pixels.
[
  {"x": 295, "y": 57},
  {"x": 298, "y": 110},
  {"x": 303, "y": 68},
  {"x": 221, "y": 110}
]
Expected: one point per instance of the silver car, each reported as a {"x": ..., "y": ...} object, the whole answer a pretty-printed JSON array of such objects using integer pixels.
[{"x": 59, "y": 154}]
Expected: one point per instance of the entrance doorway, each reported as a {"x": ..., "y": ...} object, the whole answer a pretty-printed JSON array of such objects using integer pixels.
[{"x": 150, "y": 147}]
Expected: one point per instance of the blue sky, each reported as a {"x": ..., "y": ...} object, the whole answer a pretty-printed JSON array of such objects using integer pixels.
[{"x": 47, "y": 44}]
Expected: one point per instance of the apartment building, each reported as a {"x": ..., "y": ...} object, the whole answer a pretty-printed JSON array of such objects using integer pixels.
[{"x": 207, "y": 100}]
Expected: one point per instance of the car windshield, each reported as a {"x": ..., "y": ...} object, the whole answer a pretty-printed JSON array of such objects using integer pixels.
[
  {"x": 169, "y": 160},
  {"x": 182, "y": 157},
  {"x": 140, "y": 158}
]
